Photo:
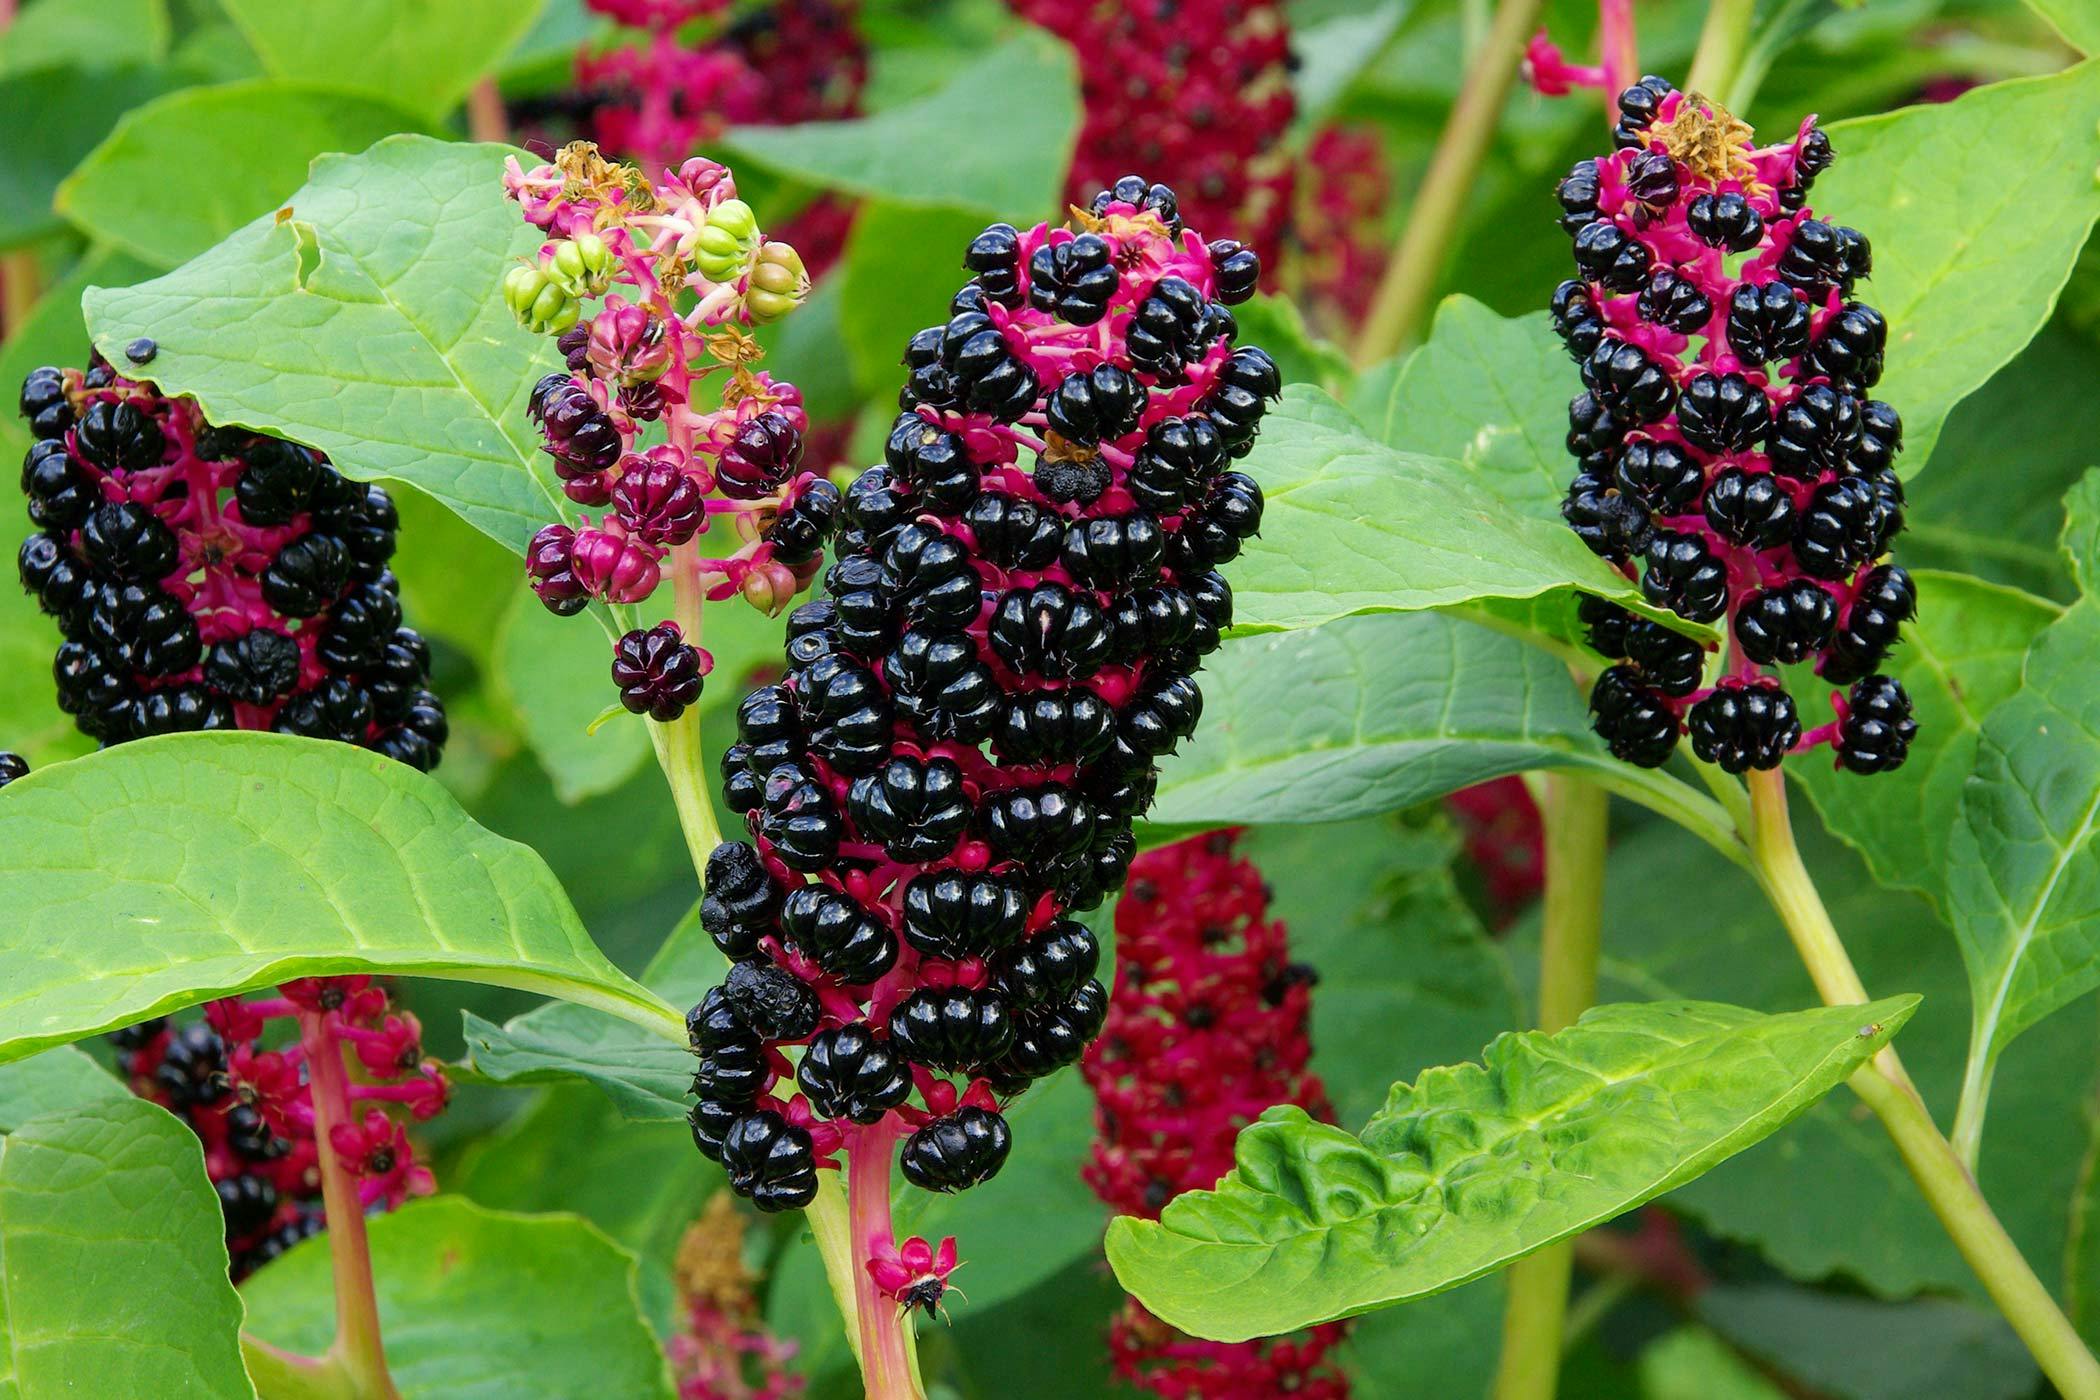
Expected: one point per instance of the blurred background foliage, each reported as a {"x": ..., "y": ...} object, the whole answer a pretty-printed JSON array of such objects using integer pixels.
[{"x": 146, "y": 130}]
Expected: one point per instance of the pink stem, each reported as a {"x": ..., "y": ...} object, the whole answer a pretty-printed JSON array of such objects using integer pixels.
[
  {"x": 357, "y": 1341},
  {"x": 884, "y": 1360},
  {"x": 1618, "y": 49}
]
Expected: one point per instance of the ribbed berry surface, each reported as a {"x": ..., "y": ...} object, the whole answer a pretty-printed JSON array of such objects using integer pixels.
[
  {"x": 211, "y": 578},
  {"x": 1731, "y": 456},
  {"x": 1208, "y": 1027},
  {"x": 973, "y": 712}
]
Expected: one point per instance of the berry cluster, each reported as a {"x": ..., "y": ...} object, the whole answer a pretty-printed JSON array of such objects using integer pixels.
[
  {"x": 1198, "y": 91},
  {"x": 1753, "y": 476},
  {"x": 638, "y": 367},
  {"x": 252, "y": 1105},
  {"x": 971, "y": 717},
  {"x": 212, "y": 578},
  {"x": 1207, "y": 1029},
  {"x": 1338, "y": 234}
]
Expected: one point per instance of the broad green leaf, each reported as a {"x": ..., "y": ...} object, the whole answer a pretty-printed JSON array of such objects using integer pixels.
[
  {"x": 409, "y": 52},
  {"x": 30, "y": 721},
  {"x": 1830, "y": 1197},
  {"x": 456, "y": 583},
  {"x": 1970, "y": 250},
  {"x": 1691, "y": 1363},
  {"x": 995, "y": 140},
  {"x": 113, "y": 1259},
  {"x": 88, "y": 33},
  {"x": 158, "y": 874},
  {"x": 1471, "y": 1167},
  {"x": 2081, "y": 535},
  {"x": 646, "y": 1076},
  {"x": 478, "y": 1304},
  {"x": 1370, "y": 714},
  {"x": 1353, "y": 525},
  {"x": 69, "y": 110},
  {"x": 1960, "y": 659},
  {"x": 1854, "y": 1348},
  {"x": 2023, "y": 881},
  {"x": 122, "y": 194},
  {"x": 803, "y": 349},
  {"x": 1331, "y": 53},
  {"x": 57, "y": 1081},
  {"x": 369, "y": 324},
  {"x": 555, "y": 671},
  {"x": 1490, "y": 393},
  {"x": 1277, "y": 325},
  {"x": 2077, "y": 20},
  {"x": 1992, "y": 505},
  {"x": 891, "y": 288}
]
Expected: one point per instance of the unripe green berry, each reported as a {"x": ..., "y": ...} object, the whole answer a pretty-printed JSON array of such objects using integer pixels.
[
  {"x": 583, "y": 265},
  {"x": 725, "y": 244},
  {"x": 541, "y": 305},
  {"x": 778, "y": 283}
]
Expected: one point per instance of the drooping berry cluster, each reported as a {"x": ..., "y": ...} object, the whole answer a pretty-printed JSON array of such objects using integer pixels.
[
  {"x": 1196, "y": 91},
  {"x": 723, "y": 1350},
  {"x": 1727, "y": 440},
  {"x": 1338, "y": 236},
  {"x": 248, "y": 1097},
  {"x": 1207, "y": 1029},
  {"x": 693, "y": 71},
  {"x": 212, "y": 578},
  {"x": 971, "y": 716},
  {"x": 640, "y": 367}
]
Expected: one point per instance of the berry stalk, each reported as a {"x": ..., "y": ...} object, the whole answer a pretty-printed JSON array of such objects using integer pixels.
[
  {"x": 1575, "y": 815},
  {"x": 888, "y": 1365},
  {"x": 1719, "y": 57},
  {"x": 358, "y": 1345},
  {"x": 1410, "y": 279}
]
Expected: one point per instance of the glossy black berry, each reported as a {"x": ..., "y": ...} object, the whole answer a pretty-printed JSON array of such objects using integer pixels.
[
  {"x": 915, "y": 808},
  {"x": 987, "y": 375},
  {"x": 1839, "y": 530},
  {"x": 1049, "y": 631},
  {"x": 1604, "y": 624},
  {"x": 1744, "y": 725},
  {"x": 1607, "y": 254},
  {"x": 765, "y": 452},
  {"x": 1885, "y": 599},
  {"x": 1073, "y": 725},
  {"x": 1611, "y": 522},
  {"x": 1013, "y": 533},
  {"x": 1767, "y": 323},
  {"x": 1725, "y": 221},
  {"x": 1723, "y": 413},
  {"x": 1238, "y": 401},
  {"x": 1575, "y": 318},
  {"x": 60, "y": 493},
  {"x": 770, "y": 1161},
  {"x": 935, "y": 584},
  {"x": 1850, "y": 350},
  {"x": 1876, "y": 732},
  {"x": 1670, "y": 661},
  {"x": 335, "y": 709},
  {"x": 799, "y": 818},
  {"x": 850, "y": 1073},
  {"x": 953, "y": 914},
  {"x": 951, "y": 1028},
  {"x": 1674, "y": 303},
  {"x": 1815, "y": 433},
  {"x": 307, "y": 575},
  {"x": 192, "y": 1070},
  {"x": 43, "y": 403},
  {"x": 772, "y": 1001},
  {"x": 864, "y": 593},
  {"x": 1750, "y": 508},
  {"x": 1169, "y": 329},
  {"x": 117, "y": 437},
  {"x": 953, "y": 1153},
  {"x": 994, "y": 256},
  {"x": 933, "y": 463},
  {"x": 1180, "y": 455},
  {"x": 1049, "y": 967},
  {"x": 1236, "y": 270},
  {"x": 1684, "y": 576},
  {"x": 735, "y": 1072},
  {"x": 1629, "y": 384},
  {"x": 846, "y": 714},
  {"x": 1594, "y": 434},
  {"x": 798, "y": 533},
  {"x": 1880, "y": 438},
  {"x": 741, "y": 902},
  {"x": 129, "y": 541},
  {"x": 1638, "y": 108},
  {"x": 1661, "y": 476},
  {"x": 1163, "y": 713},
  {"x": 1074, "y": 279},
  {"x": 1820, "y": 257},
  {"x": 1113, "y": 551},
  {"x": 12, "y": 767},
  {"x": 1632, "y": 718},
  {"x": 1577, "y": 193},
  {"x": 1038, "y": 826},
  {"x": 1095, "y": 406},
  {"x": 1785, "y": 624},
  {"x": 939, "y": 685}
]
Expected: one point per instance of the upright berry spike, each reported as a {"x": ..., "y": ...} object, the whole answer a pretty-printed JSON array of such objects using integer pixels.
[
  {"x": 1208, "y": 1026},
  {"x": 1727, "y": 454},
  {"x": 972, "y": 715}
]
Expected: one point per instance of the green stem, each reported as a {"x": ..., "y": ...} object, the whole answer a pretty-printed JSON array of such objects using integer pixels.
[
  {"x": 1939, "y": 1172},
  {"x": 1976, "y": 1076},
  {"x": 1403, "y": 295},
  {"x": 831, "y": 1227},
  {"x": 1575, "y": 817},
  {"x": 358, "y": 1347},
  {"x": 283, "y": 1375},
  {"x": 679, "y": 750},
  {"x": 1721, "y": 45}
]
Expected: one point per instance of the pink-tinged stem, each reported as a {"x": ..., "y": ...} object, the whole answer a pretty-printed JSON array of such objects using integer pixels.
[
  {"x": 885, "y": 1355},
  {"x": 1619, "y": 51},
  {"x": 358, "y": 1346}
]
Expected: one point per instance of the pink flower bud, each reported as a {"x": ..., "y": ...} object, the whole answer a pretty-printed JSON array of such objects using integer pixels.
[
  {"x": 658, "y": 502},
  {"x": 627, "y": 343},
  {"x": 614, "y": 567}
]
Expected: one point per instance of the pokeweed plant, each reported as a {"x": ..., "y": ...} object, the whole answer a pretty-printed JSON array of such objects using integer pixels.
[{"x": 945, "y": 766}]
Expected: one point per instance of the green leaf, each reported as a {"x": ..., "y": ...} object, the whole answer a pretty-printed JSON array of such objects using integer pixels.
[
  {"x": 1691, "y": 1363},
  {"x": 1003, "y": 129},
  {"x": 554, "y": 671},
  {"x": 1353, "y": 525},
  {"x": 891, "y": 289},
  {"x": 2077, "y": 20},
  {"x": 121, "y": 193},
  {"x": 2023, "y": 864},
  {"x": 1960, "y": 659},
  {"x": 409, "y": 52},
  {"x": 1970, "y": 250},
  {"x": 2081, "y": 533},
  {"x": 159, "y": 874},
  {"x": 1370, "y": 714},
  {"x": 56, "y": 1081},
  {"x": 69, "y": 110},
  {"x": 1331, "y": 53},
  {"x": 476, "y": 1304},
  {"x": 89, "y": 33},
  {"x": 370, "y": 325},
  {"x": 113, "y": 1259},
  {"x": 1488, "y": 392},
  {"x": 1277, "y": 325},
  {"x": 1853, "y": 1348},
  {"x": 1469, "y": 1168}
]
